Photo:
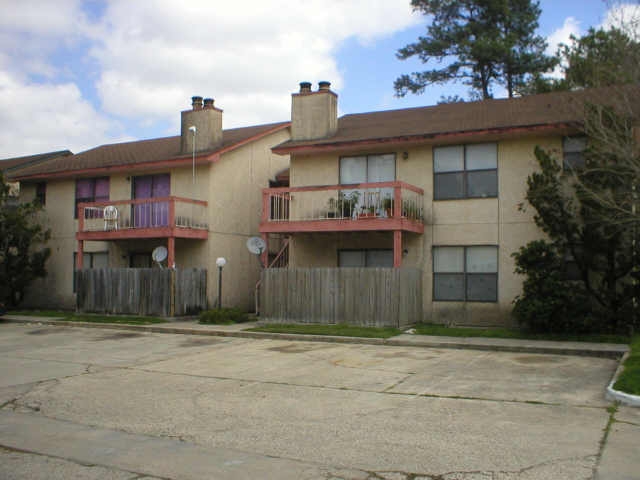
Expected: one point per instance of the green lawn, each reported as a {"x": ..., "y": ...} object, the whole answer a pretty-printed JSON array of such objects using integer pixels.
[
  {"x": 41, "y": 313},
  {"x": 629, "y": 380},
  {"x": 341, "y": 330},
  {"x": 78, "y": 317},
  {"x": 441, "y": 330}
]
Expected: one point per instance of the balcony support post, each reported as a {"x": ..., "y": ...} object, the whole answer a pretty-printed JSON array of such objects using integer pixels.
[
  {"x": 80, "y": 255},
  {"x": 171, "y": 249},
  {"x": 397, "y": 202},
  {"x": 397, "y": 248},
  {"x": 172, "y": 212},
  {"x": 264, "y": 256},
  {"x": 266, "y": 214}
]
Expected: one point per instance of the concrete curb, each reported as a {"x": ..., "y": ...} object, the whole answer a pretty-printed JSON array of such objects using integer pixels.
[
  {"x": 618, "y": 396},
  {"x": 464, "y": 344}
]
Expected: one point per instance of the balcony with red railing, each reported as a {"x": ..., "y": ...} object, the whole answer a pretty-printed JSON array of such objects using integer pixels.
[
  {"x": 382, "y": 206},
  {"x": 167, "y": 217}
]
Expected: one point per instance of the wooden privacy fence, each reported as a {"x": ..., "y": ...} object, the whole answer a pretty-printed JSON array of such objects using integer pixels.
[
  {"x": 381, "y": 297},
  {"x": 141, "y": 291}
]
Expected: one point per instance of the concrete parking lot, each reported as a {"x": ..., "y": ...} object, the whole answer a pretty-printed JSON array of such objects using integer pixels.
[{"x": 108, "y": 404}]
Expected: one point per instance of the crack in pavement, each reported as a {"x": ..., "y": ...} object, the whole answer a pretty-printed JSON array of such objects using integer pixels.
[
  {"x": 363, "y": 390},
  {"x": 603, "y": 441},
  {"x": 136, "y": 475}
]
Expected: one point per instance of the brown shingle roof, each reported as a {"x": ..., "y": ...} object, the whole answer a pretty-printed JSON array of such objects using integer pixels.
[
  {"x": 143, "y": 151},
  {"x": 428, "y": 122},
  {"x": 13, "y": 164}
]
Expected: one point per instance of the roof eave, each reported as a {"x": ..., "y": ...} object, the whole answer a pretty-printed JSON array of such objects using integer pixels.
[
  {"x": 200, "y": 159},
  {"x": 420, "y": 139}
]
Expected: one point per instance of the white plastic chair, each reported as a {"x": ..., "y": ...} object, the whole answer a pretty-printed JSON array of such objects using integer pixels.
[{"x": 110, "y": 218}]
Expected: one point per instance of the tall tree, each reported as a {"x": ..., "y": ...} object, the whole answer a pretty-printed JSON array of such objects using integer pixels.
[
  {"x": 22, "y": 254},
  {"x": 589, "y": 213},
  {"x": 597, "y": 59},
  {"x": 488, "y": 42}
]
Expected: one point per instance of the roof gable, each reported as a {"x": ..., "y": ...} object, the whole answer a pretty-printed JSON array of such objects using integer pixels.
[{"x": 119, "y": 156}]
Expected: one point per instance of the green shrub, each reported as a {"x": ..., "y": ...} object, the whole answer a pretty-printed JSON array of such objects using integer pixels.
[
  {"x": 224, "y": 316},
  {"x": 549, "y": 303}
]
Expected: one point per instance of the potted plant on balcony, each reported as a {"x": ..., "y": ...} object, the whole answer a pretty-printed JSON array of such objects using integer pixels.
[
  {"x": 367, "y": 212},
  {"x": 387, "y": 206},
  {"x": 343, "y": 206}
]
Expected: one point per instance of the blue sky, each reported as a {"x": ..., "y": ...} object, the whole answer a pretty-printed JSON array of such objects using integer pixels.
[{"x": 76, "y": 74}]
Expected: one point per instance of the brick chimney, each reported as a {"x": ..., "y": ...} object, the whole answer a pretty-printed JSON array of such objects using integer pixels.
[
  {"x": 314, "y": 115},
  {"x": 208, "y": 122}
]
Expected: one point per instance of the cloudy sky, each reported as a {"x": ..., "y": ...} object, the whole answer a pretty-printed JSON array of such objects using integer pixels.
[{"x": 75, "y": 74}]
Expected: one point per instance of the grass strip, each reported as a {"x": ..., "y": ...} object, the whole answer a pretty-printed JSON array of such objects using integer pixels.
[
  {"x": 41, "y": 313},
  {"x": 340, "y": 330},
  {"x": 133, "y": 320},
  {"x": 629, "y": 379},
  {"x": 441, "y": 330},
  {"x": 77, "y": 317}
]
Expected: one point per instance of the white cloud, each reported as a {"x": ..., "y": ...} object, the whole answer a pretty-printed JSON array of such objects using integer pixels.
[
  {"x": 144, "y": 60},
  {"x": 155, "y": 55},
  {"x": 38, "y": 118},
  {"x": 569, "y": 27},
  {"x": 562, "y": 35},
  {"x": 625, "y": 16}
]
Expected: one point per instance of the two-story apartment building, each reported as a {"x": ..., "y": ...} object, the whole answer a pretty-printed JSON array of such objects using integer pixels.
[
  {"x": 197, "y": 194},
  {"x": 439, "y": 188}
]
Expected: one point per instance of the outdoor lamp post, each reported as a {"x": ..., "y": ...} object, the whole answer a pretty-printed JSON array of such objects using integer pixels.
[{"x": 220, "y": 262}]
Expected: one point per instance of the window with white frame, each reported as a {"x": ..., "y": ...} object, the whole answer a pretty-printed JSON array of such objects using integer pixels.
[
  {"x": 465, "y": 171},
  {"x": 465, "y": 274},
  {"x": 365, "y": 258},
  {"x": 573, "y": 152}
]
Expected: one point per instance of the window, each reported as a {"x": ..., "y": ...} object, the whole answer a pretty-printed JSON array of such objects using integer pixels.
[
  {"x": 41, "y": 193},
  {"x": 90, "y": 260},
  {"x": 91, "y": 190},
  {"x": 465, "y": 274},
  {"x": 465, "y": 171},
  {"x": 368, "y": 169},
  {"x": 573, "y": 152},
  {"x": 365, "y": 258}
]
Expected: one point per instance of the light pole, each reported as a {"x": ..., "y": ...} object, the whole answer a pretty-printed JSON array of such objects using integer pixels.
[
  {"x": 220, "y": 262},
  {"x": 193, "y": 130}
]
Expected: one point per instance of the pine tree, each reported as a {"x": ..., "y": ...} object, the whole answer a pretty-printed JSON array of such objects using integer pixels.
[{"x": 491, "y": 42}]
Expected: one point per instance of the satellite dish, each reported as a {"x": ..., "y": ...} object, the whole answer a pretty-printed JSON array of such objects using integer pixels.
[
  {"x": 159, "y": 254},
  {"x": 256, "y": 245}
]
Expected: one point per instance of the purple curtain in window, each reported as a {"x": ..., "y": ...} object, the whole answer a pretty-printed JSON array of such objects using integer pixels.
[
  {"x": 148, "y": 215},
  {"x": 160, "y": 211},
  {"x": 102, "y": 189},
  {"x": 84, "y": 189}
]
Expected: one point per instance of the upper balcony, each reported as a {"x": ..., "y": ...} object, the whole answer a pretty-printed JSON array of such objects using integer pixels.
[
  {"x": 382, "y": 206},
  {"x": 167, "y": 217}
]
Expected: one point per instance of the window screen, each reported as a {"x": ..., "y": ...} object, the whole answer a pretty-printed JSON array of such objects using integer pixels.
[
  {"x": 465, "y": 171},
  {"x": 465, "y": 274},
  {"x": 573, "y": 152}
]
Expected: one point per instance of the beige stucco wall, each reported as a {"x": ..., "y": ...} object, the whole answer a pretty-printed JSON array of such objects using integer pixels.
[
  {"x": 491, "y": 221},
  {"x": 314, "y": 115},
  {"x": 233, "y": 189},
  {"x": 56, "y": 289}
]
